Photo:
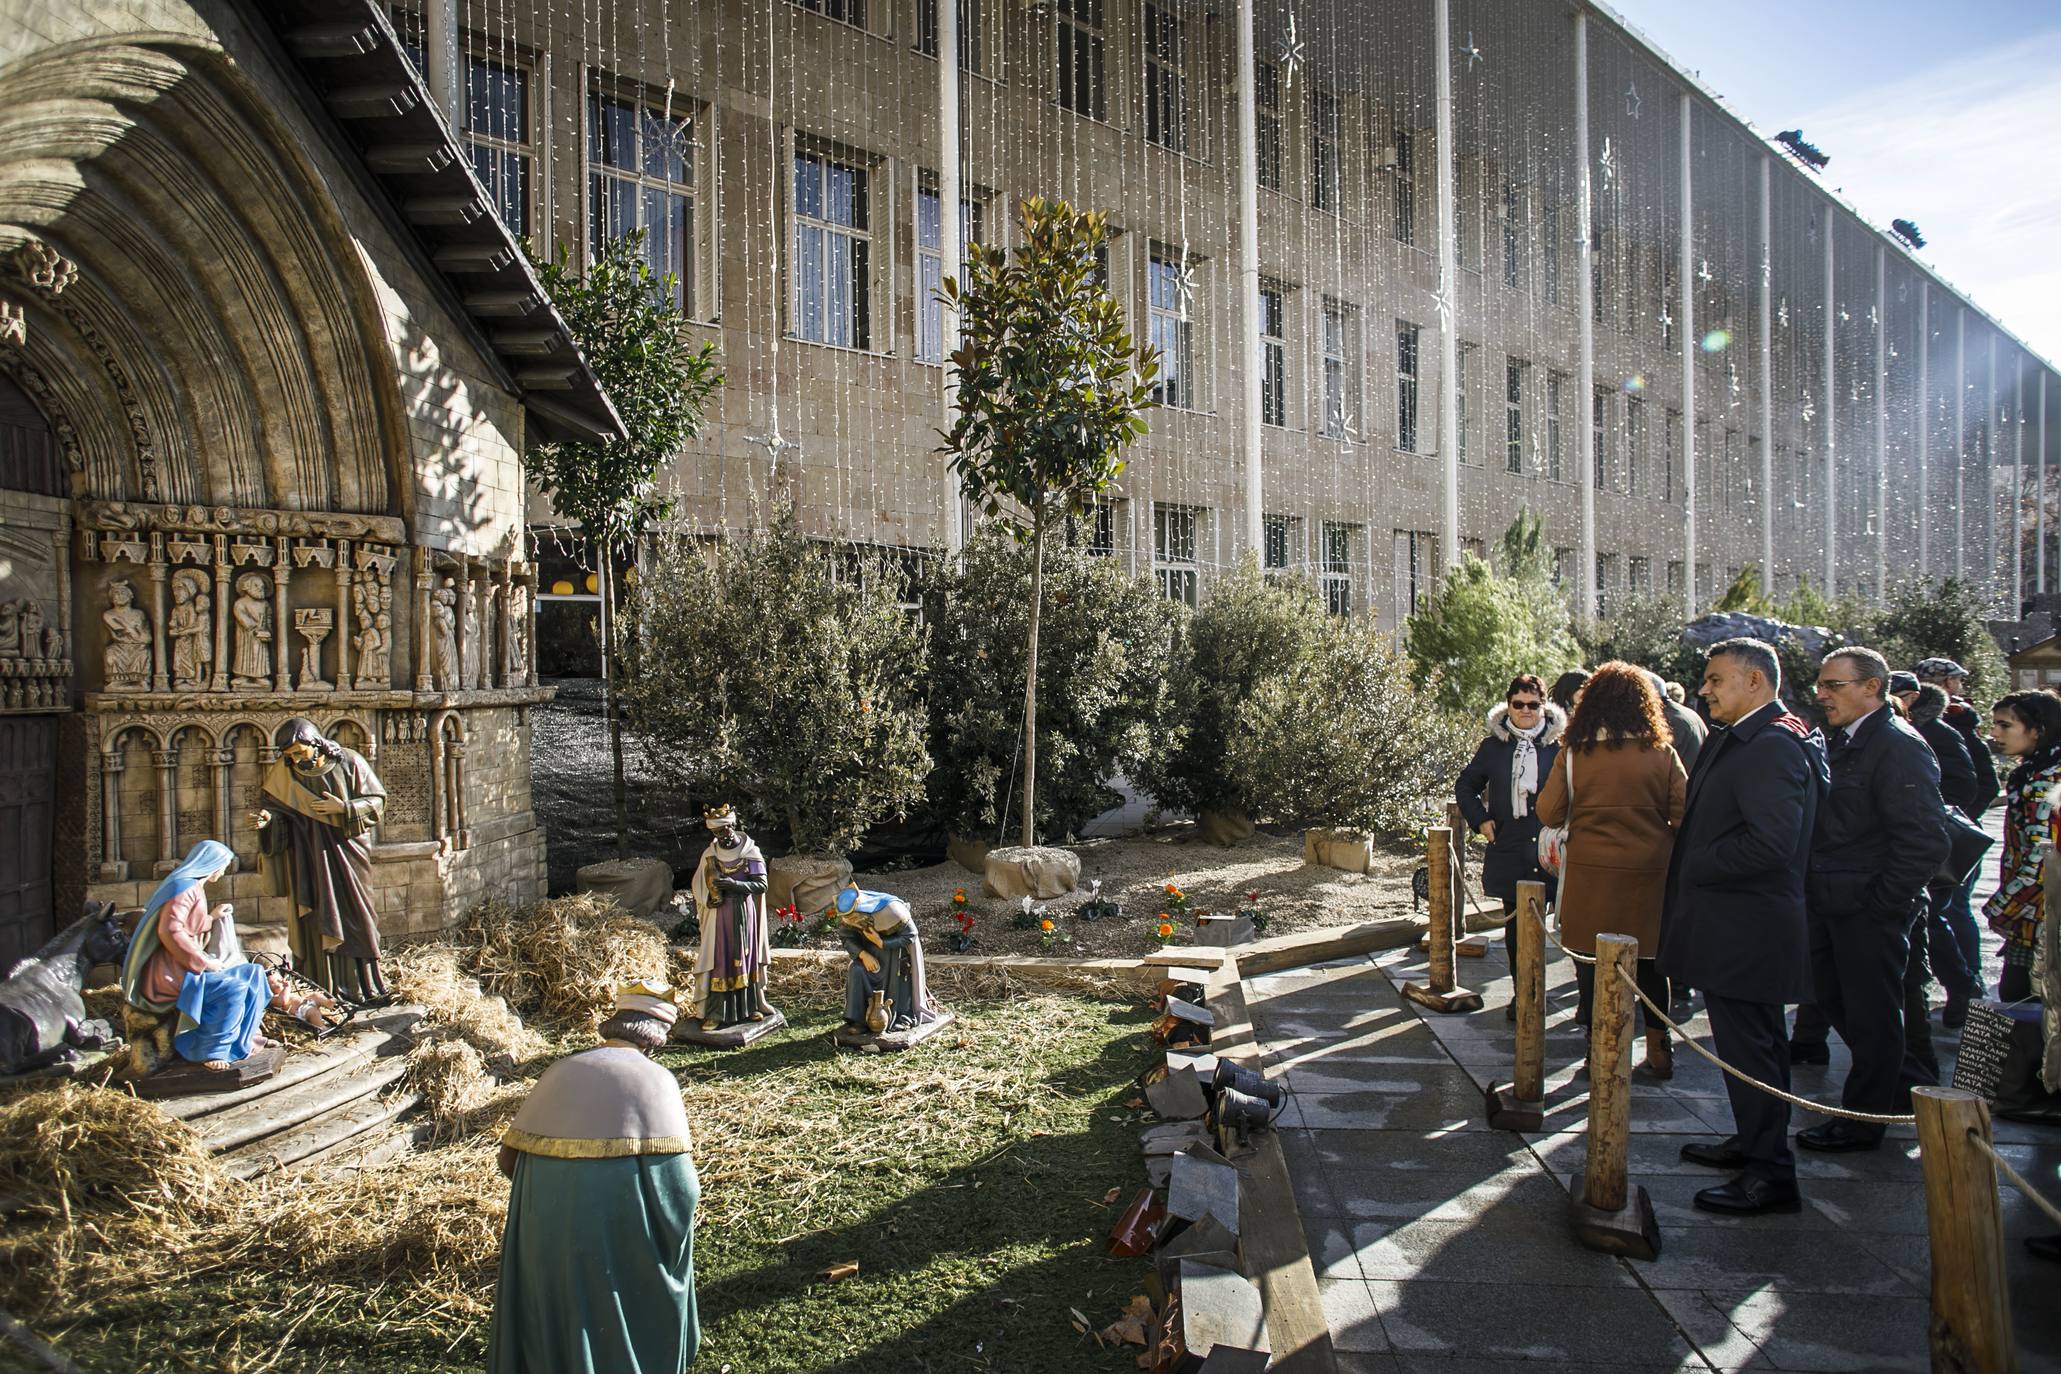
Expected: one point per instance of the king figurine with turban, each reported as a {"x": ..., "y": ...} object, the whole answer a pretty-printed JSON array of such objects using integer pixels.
[{"x": 728, "y": 1006}]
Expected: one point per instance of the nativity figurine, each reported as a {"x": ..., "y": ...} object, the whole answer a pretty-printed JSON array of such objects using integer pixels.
[{"x": 887, "y": 1001}]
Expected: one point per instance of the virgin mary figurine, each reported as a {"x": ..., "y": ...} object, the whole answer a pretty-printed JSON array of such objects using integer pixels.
[{"x": 729, "y": 893}]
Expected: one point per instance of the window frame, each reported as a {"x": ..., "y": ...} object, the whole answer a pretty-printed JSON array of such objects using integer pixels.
[
  {"x": 972, "y": 37},
  {"x": 1163, "y": 87},
  {"x": 1409, "y": 381},
  {"x": 1269, "y": 128},
  {"x": 1178, "y": 573},
  {"x": 1327, "y": 151},
  {"x": 1515, "y": 370},
  {"x": 867, "y": 234},
  {"x": 1634, "y": 443},
  {"x": 1284, "y": 530},
  {"x": 1599, "y": 438},
  {"x": 1273, "y": 310},
  {"x": 1177, "y": 387},
  {"x": 972, "y": 224},
  {"x": 1556, "y": 389},
  {"x": 1340, "y": 321},
  {"x": 1335, "y": 573},
  {"x": 1081, "y": 29},
  {"x": 1403, "y": 210},
  {"x": 602, "y": 91}
]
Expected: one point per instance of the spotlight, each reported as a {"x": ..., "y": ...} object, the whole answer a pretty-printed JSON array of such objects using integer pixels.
[{"x": 1229, "y": 1078}]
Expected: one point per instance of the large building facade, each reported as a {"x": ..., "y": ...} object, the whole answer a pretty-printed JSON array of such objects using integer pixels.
[
  {"x": 267, "y": 365},
  {"x": 1399, "y": 297}
]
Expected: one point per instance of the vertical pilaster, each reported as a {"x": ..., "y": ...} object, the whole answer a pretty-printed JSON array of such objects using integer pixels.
[
  {"x": 112, "y": 868},
  {"x": 1991, "y": 405},
  {"x": 2017, "y": 489},
  {"x": 1924, "y": 427},
  {"x": 1881, "y": 425},
  {"x": 160, "y": 679},
  {"x": 167, "y": 761},
  {"x": 282, "y": 618},
  {"x": 224, "y": 613},
  {"x": 1448, "y": 294},
  {"x": 1249, "y": 276},
  {"x": 1961, "y": 443},
  {"x": 1685, "y": 274},
  {"x": 948, "y": 233},
  {"x": 1585, "y": 318},
  {"x": 440, "y": 32},
  {"x": 1831, "y": 417},
  {"x": 1766, "y": 350},
  {"x": 343, "y": 615},
  {"x": 2039, "y": 487},
  {"x": 425, "y": 583}
]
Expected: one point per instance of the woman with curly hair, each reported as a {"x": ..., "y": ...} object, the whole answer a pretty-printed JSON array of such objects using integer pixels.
[{"x": 1620, "y": 802}]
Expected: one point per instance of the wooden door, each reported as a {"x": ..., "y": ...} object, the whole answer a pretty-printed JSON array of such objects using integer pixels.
[{"x": 28, "y": 789}]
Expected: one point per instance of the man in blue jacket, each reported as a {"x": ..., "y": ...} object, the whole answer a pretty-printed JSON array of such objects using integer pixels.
[
  {"x": 1880, "y": 837},
  {"x": 1735, "y": 924}
]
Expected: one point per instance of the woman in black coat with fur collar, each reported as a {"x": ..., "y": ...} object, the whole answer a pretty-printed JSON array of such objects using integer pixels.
[{"x": 1498, "y": 791}]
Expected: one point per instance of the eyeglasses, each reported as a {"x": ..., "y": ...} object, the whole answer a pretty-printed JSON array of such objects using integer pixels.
[
  {"x": 1524, "y": 705},
  {"x": 1827, "y": 684}
]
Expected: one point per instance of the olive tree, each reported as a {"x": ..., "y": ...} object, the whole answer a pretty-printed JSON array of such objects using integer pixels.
[{"x": 1051, "y": 390}]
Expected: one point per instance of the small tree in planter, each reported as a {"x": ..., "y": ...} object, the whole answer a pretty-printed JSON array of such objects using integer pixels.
[
  {"x": 1482, "y": 627},
  {"x": 1251, "y": 629},
  {"x": 1102, "y": 696},
  {"x": 771, "y": 673},
  {"x": 1050, "y": 391},
  {"x": 1347, "y": 739},
  {"x": 643, "y": 351}
]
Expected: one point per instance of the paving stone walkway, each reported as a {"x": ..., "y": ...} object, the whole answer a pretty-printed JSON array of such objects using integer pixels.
[{"x": 1442, "y": 1245}]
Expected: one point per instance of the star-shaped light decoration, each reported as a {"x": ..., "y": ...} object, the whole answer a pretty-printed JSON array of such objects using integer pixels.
[
  {"x": 1472, "y": 53},
  {"x": 1809, "y": 410},
  {"x": 1442, "y": 304},
  {"x": 774, "y": 443},
  {"x": 1703, "y": 271},
  {"x": 1184, "y": 282},
  {"x": 1289, "y": 52},
  {"x": 1631, "y": 99},
  {"x": 1782, "y": 314},
  {"x": 1667, "y": 321},
  {"x": 1608, "y": 161},
  {"x": 1873, "y": 318},
  {"x": 1893, "y": 354},
  {"x": 1732, "y": 380},
  {"x": 1843, "y": 316},
  {"x": 1811, "y": 230},
  {"x": 1903, "y": 291}
]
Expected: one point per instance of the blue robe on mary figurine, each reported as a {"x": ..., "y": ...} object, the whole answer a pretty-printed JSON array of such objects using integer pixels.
[{"x": 186, "y": 958}]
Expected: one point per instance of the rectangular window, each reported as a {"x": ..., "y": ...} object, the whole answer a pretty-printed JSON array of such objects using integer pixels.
[
  {"x": 851, "y": 12},
  {"x": 1634, "y": 444},
  {"x": 1513, "y": 225},
  {"x": 833, "y": 249},
  {"x": 1549, "y": 251},
  {"x": 1606, "y": 581},
  {"x": 495, "y": 124},
  {"x": 1101, "y": 522},
  {"x": 1727, "y": 471},
  {"x": 1563, "y": 564},
  {"x": 1670, "y": 457},
  {"x": 1273, "y": 356},
  {"x": 1639, "y": 576},
  {"x": 1416, "y": 563},
  {"x": 1173, "y": 551},
  {"x": 1167, "y": 301},
  {"x": 1341, "y": 378},
  {"x": 1513, "y": 414},
  {"x": 1406, "y": 336},
  {"x": 1324, "y": 144},
  {"x": 1460, "y": 389},
  {"x": 1282, "y": 535},
  {"x": 1704, "y": 468},
  {"x": 1335, "y": 569},
  {"x": 1674, "y": 579},
  {"x": 1405, "y": 188},
  {"x": 1081, "y": 45},
  {"x": 1599, "y": 453},
  {"x": 1556, "y": 384},
  {"x": 1596, "y": 277},
  {"x": 1267, "y": 106},
  {"x": 1165, "y": 122},
  {"x": 930, "y": 267},
  {"x": 641, "y": 177},
  {"x": 969, "y": 31}
]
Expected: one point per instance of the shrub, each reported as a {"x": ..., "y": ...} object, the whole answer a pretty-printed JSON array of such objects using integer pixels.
[
  {"x": 1480, "y": 629},
  {"x": 1249, "y": 630},
  {"x": 1103, "y": 644},
  {"x": 1939, "y": 620},
  {"x": 1347, "y": 738},
  {"x": 774, "y": 672},
  {"x": 1646, "y": 630}
]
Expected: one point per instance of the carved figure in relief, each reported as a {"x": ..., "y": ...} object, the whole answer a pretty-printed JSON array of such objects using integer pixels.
[
  {"x": 518, "y": 637},
  {"x": 10, "y": 629},
  {"x": 253, "y": 668},
  {"x": 443, "y": 613},
  {"x": 127, "y": 657},
  {"x": 35, "y": 639},
  {"x": 474, "y": 658},
  {"x": 190, "y": 627}
]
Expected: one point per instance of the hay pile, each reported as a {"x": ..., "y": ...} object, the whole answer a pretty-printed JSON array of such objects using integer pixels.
[{"x": 563, "y": 959}]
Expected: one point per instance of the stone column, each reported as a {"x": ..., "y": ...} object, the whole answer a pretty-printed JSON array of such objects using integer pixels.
[
  {"x": 461, "y": 830},
  {"x": 343, "y": 615},
  {"x": 223, "y": 761},
  {"x": 2039, "y": 542},
  {"x": 2017, "y": 488},
  {"x": 224, "y": 604},
  {"x": 1881, "y": 424},
  {"x": 282, "y": 637},
  {"x": 1585, "y": 313},
  {"x": 1448, "y": 294},
  {"x": 1685, "y": 272},
  {"x": 167, "y": 761},
  {"x": 1961, "y": 443},
  {"x": 1831, "y": 418},
  {"x": 436, "y": 782},
  {"x": 1249, "y": 278},
  {"x": 500, "y": 674},
  {"x": 1991, "y": 406},
  {"x": 425, "y": 583},
  {"x": 948, "y": 232},
  {"x": 160, "y": 680},
  {"x": 1767, "y": 379},
  {"x": 1924, "y": 427},
  {"x": 112, "y": 869},
  {"x": 481, "y": 590}
]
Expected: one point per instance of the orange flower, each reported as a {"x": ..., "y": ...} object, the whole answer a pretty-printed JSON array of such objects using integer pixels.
[
  {"x": 1046, "y": 925},
  {"x": 1166, "y": 930},
  {"x": 958, "y": 894}
]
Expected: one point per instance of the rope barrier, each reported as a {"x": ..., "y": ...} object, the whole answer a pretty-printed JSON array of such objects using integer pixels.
[
  {"x": 2017, "y": 1179},
  {"x": 1791, "y": 1098}
]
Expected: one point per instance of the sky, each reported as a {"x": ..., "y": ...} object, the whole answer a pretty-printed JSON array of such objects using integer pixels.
[{"x": 1945, "y": 114}]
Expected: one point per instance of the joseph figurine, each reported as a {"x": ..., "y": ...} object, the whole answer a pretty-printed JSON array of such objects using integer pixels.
[
  {"x": 315, "y": 833},
  {"x": 730, "y": 896}
]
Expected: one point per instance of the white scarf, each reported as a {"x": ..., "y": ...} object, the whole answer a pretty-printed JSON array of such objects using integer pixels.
[{"x": 1524, "y": 765}]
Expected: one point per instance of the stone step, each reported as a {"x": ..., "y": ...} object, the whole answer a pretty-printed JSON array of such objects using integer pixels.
[
  {"x": 360, "y": 1040},
  {"x": 307, "y": 1142},
  {"x": 255, "y": 1120}
]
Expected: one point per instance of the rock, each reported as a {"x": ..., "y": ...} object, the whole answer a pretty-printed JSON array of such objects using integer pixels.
[
  {"x": 967, "y": 852},
  {"x": 808, "y": 882},
  {"x": 639, "y": 886},
  {"x": 1707, "y": 630},
  {"x": 1349, "y": 850},
  {"x": 1224, "y": 828},
  {"x": 1038, "y": 872}
]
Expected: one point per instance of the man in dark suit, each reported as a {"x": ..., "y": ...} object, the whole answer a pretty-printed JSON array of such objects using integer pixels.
[
  {"x": 1880, "y": 838},
  {"x": 1735, "y": 923}
]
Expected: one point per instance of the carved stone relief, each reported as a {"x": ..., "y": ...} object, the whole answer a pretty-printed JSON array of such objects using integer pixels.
[
  {"x": 253, "y": 633},
  {"x": 444, "y": 636},
  {"x": 127, "y": 658},
  {"x": 191, "y": 628}
]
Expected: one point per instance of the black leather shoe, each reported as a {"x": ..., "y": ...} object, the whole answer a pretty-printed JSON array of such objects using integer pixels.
[
  {"x": 1802, "y": 1053},
  {"x": 1726, "y": 1154},
  {"x": 1839, "y": 1137},
  {"x": 1747, "y": 1196},
  {"x": 2046, "y": 1247},
  {"x": 1954, "y": 1014}
]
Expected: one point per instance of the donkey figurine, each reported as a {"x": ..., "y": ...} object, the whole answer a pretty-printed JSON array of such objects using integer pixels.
[{"x": 42, "y": 1015}]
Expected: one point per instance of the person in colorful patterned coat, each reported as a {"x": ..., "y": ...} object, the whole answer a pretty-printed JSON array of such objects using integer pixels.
[{"x": 2027, "y": 727}]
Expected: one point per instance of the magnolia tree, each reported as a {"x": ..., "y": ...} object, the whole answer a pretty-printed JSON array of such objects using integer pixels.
[
  {"x": 1051, "y": 390},
  {"x": 642, "y": 349}
]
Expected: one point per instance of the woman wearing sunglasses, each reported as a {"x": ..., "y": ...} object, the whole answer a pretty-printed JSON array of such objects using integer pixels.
[{"x": 1498, "y": 792}]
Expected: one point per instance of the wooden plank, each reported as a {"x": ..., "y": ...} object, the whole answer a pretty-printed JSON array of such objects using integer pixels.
[
  {"x": 1307, "y": 947},
  {"x": 1971, "y": 1302},
  {"x": 1276, "y": 1250}
]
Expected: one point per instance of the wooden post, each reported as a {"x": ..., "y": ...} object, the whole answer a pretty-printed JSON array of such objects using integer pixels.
[
  {"x": 1521, "y": 1106},
  {"x": 1439, "y": 993},
  {"x": 1971, "y": 1307},
  {"x": 1609, "y": 1214}
]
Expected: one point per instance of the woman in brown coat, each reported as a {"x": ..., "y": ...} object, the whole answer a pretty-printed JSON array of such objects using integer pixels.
[{"x": 1627, "y": 800}]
